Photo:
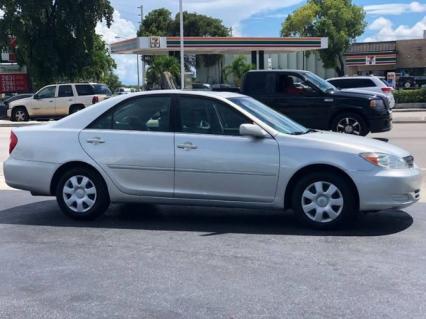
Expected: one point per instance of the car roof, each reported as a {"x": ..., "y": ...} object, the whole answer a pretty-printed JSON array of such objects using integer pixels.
[
  {"x": 222, "y": 94},
  {"x": 361, "y": 77},
  {"x": 279, "y": 70}
]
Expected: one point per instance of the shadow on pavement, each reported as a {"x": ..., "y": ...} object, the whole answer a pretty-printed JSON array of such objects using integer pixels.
[{"x": 212, "y": 221}]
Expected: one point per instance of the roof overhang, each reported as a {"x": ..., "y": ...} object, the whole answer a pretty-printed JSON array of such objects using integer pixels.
[{"x": 216, "y": 45}]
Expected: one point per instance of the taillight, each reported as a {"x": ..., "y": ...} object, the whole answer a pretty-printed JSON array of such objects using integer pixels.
[
  {"x": 13, "y": 142},
  {"x": 95, "y": 99},
  {"x": 387, "y": 90}
]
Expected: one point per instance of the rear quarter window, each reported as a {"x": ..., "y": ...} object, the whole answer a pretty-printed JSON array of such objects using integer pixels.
[
  {"x": 102, "y": 89},
  {"x": 84, "y": 89}
]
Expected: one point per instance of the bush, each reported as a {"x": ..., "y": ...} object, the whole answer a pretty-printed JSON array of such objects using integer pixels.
[{"x": 410, "y": 96}]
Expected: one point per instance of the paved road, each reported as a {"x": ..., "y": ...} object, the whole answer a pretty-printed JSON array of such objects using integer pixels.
[{"x": 142, "y": 261}]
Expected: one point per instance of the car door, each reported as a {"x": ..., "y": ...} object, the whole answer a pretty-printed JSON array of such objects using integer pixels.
[
  {"x": 134, "y": 145},
  {"x": 212, "y": 160},
  {"x": 299, "y": 100},
  {"x": 43, "y": 102},
  {"x": 64, "y": 100}
]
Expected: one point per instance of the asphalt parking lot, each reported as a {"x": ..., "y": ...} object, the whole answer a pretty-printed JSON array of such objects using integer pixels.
[{"x": 142, "y": 261}]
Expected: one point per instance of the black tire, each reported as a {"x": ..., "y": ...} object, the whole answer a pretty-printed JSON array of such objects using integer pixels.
[
  {"x": 345, "y": 214},
  {"x": 350, "y": 123},
  {"x": 100, "y": 199},
  {"x": 20, "y": 114},
  {"x": 75, "y": 108}
]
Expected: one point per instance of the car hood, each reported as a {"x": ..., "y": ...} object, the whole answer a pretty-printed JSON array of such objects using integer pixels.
[
  {"x": 352, "y": 94},
  {"x": 364, "y": 92},
  {"x": 20, "y": 102},
  {"x": 353, "y": 144}
]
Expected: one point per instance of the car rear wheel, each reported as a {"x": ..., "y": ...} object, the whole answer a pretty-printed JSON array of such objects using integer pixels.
[
  {"x": 324, "y": 200},
  {"x": 20, "y": 114},
  {"x": 82, "y": 194},
  {"x": 350, "y": 123},
  {"x": 76, "y": 108}
]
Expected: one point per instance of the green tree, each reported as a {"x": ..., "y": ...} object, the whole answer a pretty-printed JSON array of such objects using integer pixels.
[
  {"x": 160, "y": 23},
  {"x": 156, "y": 23},
  {"x": 56, "y": 39},
  {"x": 158, "y": 66},
  {"x": 112, "y": 81},
  {"x": 238, "y": 68},
  {"x": 339, "y": 20}
]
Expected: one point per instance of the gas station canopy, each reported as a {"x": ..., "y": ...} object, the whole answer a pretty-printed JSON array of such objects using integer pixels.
[{"x": 216, "y": 45}]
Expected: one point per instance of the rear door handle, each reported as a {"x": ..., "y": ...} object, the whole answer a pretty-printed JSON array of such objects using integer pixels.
[
  {"x": 95, "y": 141},
  {"x": 187, "y": 146}
]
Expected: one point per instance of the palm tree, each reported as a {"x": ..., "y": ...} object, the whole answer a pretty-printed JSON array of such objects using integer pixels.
[
  {"x": 158, "y": 66},
  {"x": 238, "y": 68}
]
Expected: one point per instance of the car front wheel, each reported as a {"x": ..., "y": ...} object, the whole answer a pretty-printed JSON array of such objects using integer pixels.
[
  {"x": 20, "y": 114},
  {"x": 324, "y": 200},
  {"x": 350, "y": 123},
  {"x": 82, "y": 194}
]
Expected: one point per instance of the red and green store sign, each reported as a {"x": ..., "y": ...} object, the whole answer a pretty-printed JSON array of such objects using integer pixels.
[{"x": 370, "y": 59}]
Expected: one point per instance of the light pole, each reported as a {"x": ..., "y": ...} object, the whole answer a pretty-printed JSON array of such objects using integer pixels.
[
  {"x": 182, "y": 52},
  {"x": 141, "y": 56}
]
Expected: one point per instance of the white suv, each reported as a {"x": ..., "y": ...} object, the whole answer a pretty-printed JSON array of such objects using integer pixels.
[
  {"x": 57, "y": 100},
  {"x": 364, "y": 84}
]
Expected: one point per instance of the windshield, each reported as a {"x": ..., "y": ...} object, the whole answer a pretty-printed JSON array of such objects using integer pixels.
[
  {"x": 276, "y": 120},
  {"x": 319, "y": 82}
]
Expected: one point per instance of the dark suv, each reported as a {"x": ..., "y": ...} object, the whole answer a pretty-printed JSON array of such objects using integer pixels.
[{"x": 315, "y": 103}]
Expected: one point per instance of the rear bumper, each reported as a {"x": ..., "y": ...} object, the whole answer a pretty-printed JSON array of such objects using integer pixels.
[
  {"x": 34, "y": 177},
  {"x": 384, "y": 189}
]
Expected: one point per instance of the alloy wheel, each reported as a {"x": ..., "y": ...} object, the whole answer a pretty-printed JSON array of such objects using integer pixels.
[
  {"x": 79, "y": 194},
  {"x": 20, "y": 116},
  {"x": 322, "y": 202},
  {"x": 349, "y": 125}
]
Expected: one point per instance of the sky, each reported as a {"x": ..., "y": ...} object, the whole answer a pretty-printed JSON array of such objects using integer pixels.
[{"x": 387, "y": 20}]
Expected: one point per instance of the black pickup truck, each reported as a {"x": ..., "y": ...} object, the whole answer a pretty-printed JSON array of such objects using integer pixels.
[{"x": 315, "y": 103}]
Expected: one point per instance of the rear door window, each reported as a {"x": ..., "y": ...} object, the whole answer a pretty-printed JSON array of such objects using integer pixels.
[
  {"x": 65, "y": 91},
  {"x": 259, "y": 83}
]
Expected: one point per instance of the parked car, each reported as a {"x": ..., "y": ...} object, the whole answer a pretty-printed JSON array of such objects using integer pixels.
[
  {"x": 58, "y": 100},
  {"x": 365, "y": 83},
  {"x": 201, "y": 87},
  {"x": 315, "y": 103},
  {"x": 207, "y": 148},
  {"x": 5, "y": 104}
]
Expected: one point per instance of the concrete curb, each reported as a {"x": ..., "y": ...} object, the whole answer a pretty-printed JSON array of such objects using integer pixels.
[{"x": 402, "y": 106}]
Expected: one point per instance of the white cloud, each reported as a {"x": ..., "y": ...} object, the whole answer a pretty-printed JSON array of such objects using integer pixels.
[
  {"x": 385, "y": 30},
  {"x": 232, "y": 13},
  {"x": 395, "y": 8},
  {"x": 121, "y": 29}
]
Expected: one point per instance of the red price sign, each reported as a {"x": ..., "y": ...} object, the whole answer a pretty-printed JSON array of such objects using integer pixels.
[{"x": 13, "y": 83}]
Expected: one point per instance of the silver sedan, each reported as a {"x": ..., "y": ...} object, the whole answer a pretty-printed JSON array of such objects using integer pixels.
[{"x": 206, "y": 148}]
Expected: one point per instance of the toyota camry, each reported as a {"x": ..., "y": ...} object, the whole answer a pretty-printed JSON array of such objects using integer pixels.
[{"x": 207, "y": 148}]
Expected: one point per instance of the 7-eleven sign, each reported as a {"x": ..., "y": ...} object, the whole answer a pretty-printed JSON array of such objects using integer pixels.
[{"x": 370, "y": 60}]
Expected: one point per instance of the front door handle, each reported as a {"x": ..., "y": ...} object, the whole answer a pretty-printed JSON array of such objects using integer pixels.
[
  {"x": 95, "y": 141},
  {"x": 187, "y": 146}
]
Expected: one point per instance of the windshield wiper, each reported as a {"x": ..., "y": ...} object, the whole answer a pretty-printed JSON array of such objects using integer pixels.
[{"x": 304, "y": 132}]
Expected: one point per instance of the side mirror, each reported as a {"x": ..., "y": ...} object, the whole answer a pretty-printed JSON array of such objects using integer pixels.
[
  {"x": 252, "y": 130},
  {"x": 35, "y": 97}
]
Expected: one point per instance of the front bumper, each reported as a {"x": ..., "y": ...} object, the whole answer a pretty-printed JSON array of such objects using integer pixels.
[
  {"x": 384, "y": 189},
  {"x": 380, "y": 124},
  {"x": 9, "y": 113}
]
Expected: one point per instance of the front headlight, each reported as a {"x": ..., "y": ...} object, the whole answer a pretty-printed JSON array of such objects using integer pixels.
[
  {"x": 385, "y": 160},
  {"x": 377, "y": 104}
]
